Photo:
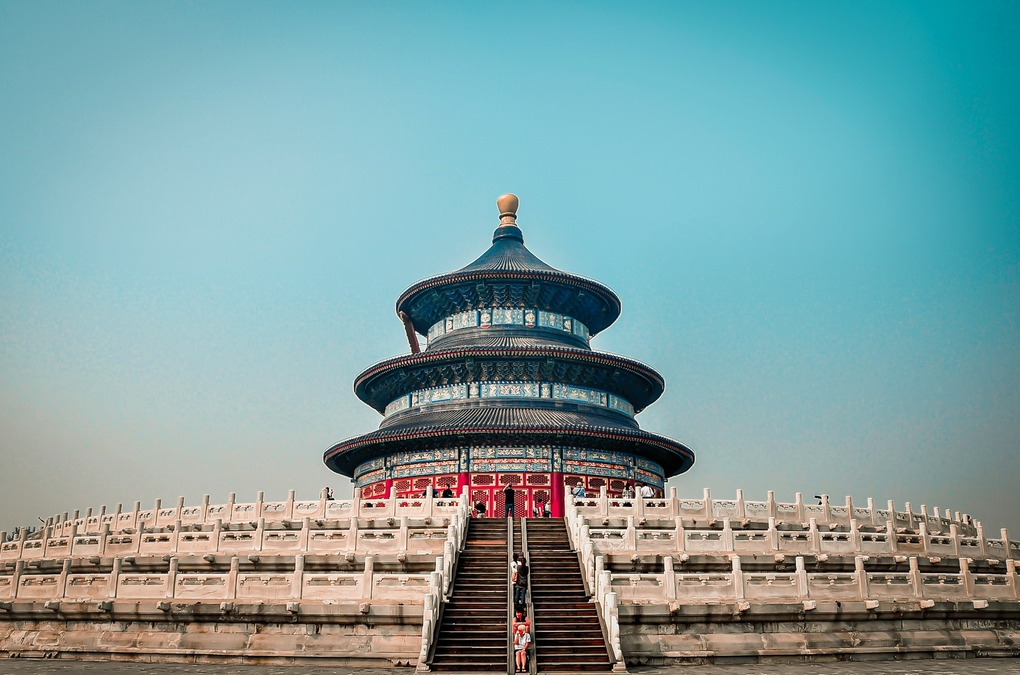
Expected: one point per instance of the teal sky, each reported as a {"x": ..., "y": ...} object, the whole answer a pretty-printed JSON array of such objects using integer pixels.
[{"x": 810, "y": 210}]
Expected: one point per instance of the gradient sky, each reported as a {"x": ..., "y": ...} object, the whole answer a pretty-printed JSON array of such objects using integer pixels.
[{"x": 810, "y": 210}]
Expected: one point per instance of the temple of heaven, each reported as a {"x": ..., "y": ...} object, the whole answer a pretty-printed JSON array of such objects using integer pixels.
[{"x": 508, "y": 390}]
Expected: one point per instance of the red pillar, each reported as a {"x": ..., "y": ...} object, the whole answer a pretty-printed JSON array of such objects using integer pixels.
[
  {"x": 388, "y": 484},
  {"x": 464, "y": 481},
  {"x": 556, "y": 505}
]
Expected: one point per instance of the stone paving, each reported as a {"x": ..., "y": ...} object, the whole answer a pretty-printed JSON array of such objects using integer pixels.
[{"x": 919, "y": 667}]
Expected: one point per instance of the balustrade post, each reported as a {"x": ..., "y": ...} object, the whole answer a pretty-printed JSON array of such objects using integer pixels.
[
  {"x": 890, "y": 534},
  {"x": 679, "y": 535},
  {"x": 47, "y": 534},
  {"x": 862, "y": 577},
  {"x": 922, "y": 528},
  {"x": 1011, "y": 578},
  {"x": 915, "y": 577},
  {"x": 873, "y": 517},
  {"x": 114, "y": 583},
  {"x": 217, "y": 530},
  {"x": 770, "y": 505},
  {"x": 674, "y": 503},
  {"x": 798, "y": 502},
  {"x": 367, "y": 583},
  {"x": 1004, "y": 533},
  {"x": 65, "y": 570},
  {"x": 305, "y": 537},
  {"x": 19, "y": 569},
  {"x": 773, "y": 535},
  {"x": 849, "y": 508},
  {"x": 449, "y": 555},
  {"x": 600, "y": 568},
  {"x": 982, "y": 544},
  {"x": 180, "y": 507},
  {"x": 968, "y": 578},
  {"x": 288, "y": 511},
  {"x": 802, "y": 580},
  {"x": 814, "y": 536},
  {"x": 260, "y": 533},
  {"x": 631, "y": 534},
  {"x": 605, "y": 586},
  {"x": 709, "y": 507},
  {"x": 826, "y": 510},
  {"x": 727, "y": 535},
  {"x": 855, "y": 535},
  {"x": 260, "y": 500},
  {"x": 104, "y": 534},
  {"x": 741, "y": 506},
  {"x": 391, "y": 502},
  {"x": 352, "y": 534},
  {"x": 297, "y": 582},
  {"x": 910, "y": 515},
  {"x": 235, "y": 566},
  {"x": 171, "y": 578},
  {"x": 205, "y": 508},
  {"x": 231, "y": 498},
  {"x": 355, "y": 503},
  {"x": 135, "y": 515},
  {"x": 402, "y": 534},
  {"x": 954, "y": 535},
  {"x": 604, "y": 502},
  {"x": 738, "y": 578},
  {"x": 669, "y": 578}
]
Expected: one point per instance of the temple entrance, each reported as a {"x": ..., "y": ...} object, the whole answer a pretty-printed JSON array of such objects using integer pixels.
[{"x": 530, "y": 489}]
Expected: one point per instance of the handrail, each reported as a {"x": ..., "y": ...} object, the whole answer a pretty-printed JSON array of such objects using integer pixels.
[
  {"x": 529, "y": 607},
  {"x": 511, "y": 666}
]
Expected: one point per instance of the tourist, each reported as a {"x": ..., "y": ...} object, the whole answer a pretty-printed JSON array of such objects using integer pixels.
[
  {"x": 647, "y": 492},
  {"x": 520, "y": 618},
  {"x": 447, "y": 493},
  {"x": 329, "y": 493},
  {"x": 479, "y": 511},
  {"x": 513, "y": 566},
  {"x": 522, "y": 638},
  {"x": 545, "y": 510},
  {"x": 509, "y": 494},
  {"x": 628, "y": 491},
  {"x": 521, "y": 581},
  {"x": 538, "y": 510}
]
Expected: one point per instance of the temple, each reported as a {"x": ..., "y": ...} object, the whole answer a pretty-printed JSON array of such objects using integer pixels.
[{"x": 508, "y": 390}]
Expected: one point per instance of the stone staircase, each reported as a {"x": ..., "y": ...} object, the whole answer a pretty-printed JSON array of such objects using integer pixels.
[
  {"x": 567, "y": 632},
  {"x": 474, "y": 635}
]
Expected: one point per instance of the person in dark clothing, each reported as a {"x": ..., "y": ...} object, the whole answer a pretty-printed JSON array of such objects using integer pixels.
[
  {"x": 509, "y": 494},
  {"x": 521, "y": 584},
  {"x": 447, "y": 492}
]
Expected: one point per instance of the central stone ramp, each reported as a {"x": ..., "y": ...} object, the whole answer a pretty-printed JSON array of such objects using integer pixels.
[
  {"x": 473, "y": 635},
  {"x": 568, "y": 634}
]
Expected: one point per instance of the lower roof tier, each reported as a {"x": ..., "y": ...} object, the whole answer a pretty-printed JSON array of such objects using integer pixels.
[{"x": 510, "y": 426}]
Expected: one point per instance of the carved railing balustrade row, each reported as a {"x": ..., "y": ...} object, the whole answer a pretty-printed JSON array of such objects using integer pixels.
[
  {"x": 670, "y": 586},
  {"x": 74, "y": 585},
  {"x": 378, "y": 535},
  {"x": 709, "y": 509},
  {"x": 810, "y": 539},
  {"x": 232, "y": 511}
]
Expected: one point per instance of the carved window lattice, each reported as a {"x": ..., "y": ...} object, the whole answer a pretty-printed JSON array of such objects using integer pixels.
[
  {"x": 596, "y": 483},
  {"x": 422, "y": 483},
  {"x": 510, "y": 479},
  {"x": 483, "y": 479},
  {"x": 402, "y": 485},
  {"x": 538, "y": 479}
]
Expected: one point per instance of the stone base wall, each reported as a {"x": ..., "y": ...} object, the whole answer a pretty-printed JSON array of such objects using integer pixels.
[
  {"x": 738, "y": 633},
  {"x": 349, "y": 634}
]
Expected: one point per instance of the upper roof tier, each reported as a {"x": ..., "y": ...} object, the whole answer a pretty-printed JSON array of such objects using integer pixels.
[{"x": 509, "y": 275}]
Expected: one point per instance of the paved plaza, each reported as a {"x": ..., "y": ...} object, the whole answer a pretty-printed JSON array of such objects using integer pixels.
[{"x": 921, "y": 667}]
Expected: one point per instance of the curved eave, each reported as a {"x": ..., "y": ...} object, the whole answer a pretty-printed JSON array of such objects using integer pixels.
[
  {"x": 595, "y": 323},
  {"x": 344, "y": 457},
  {"x": 391, "y": 367}
]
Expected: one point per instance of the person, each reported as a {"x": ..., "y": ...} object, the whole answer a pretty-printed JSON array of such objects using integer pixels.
[
  {"x": 538, "y": 510},
  {"x": 545, "y": 510},
  {"x": 480, "y": 509},
  {"x": 522, "y": 638},
  {"x": 509, "y": 494},
  {"x": 628, "y": 491},
  {"x": 329, "y": 493},
  {"x": 513, "y": 566},
  {"x": 521, "y": 581},
  {"x": 578, "y": 491},
  {"x": 520, "y": 618},
  {"x": 447, "y": 492},
  {"x": 647, "y": 492}
]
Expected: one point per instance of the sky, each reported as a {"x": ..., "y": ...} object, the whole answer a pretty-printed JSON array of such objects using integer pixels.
[{"x": 811, "y": 212}]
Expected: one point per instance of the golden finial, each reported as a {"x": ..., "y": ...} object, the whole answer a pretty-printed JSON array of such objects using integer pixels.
[{"x": 507, "y": 204}]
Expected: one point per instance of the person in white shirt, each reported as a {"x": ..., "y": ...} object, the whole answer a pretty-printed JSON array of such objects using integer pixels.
[
  {"x": 646, "y": 492},
  {"x": 521, "y": 640}
]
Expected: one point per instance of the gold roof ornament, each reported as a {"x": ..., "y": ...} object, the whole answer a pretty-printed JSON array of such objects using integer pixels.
[{"x": 507, "y": 204}]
